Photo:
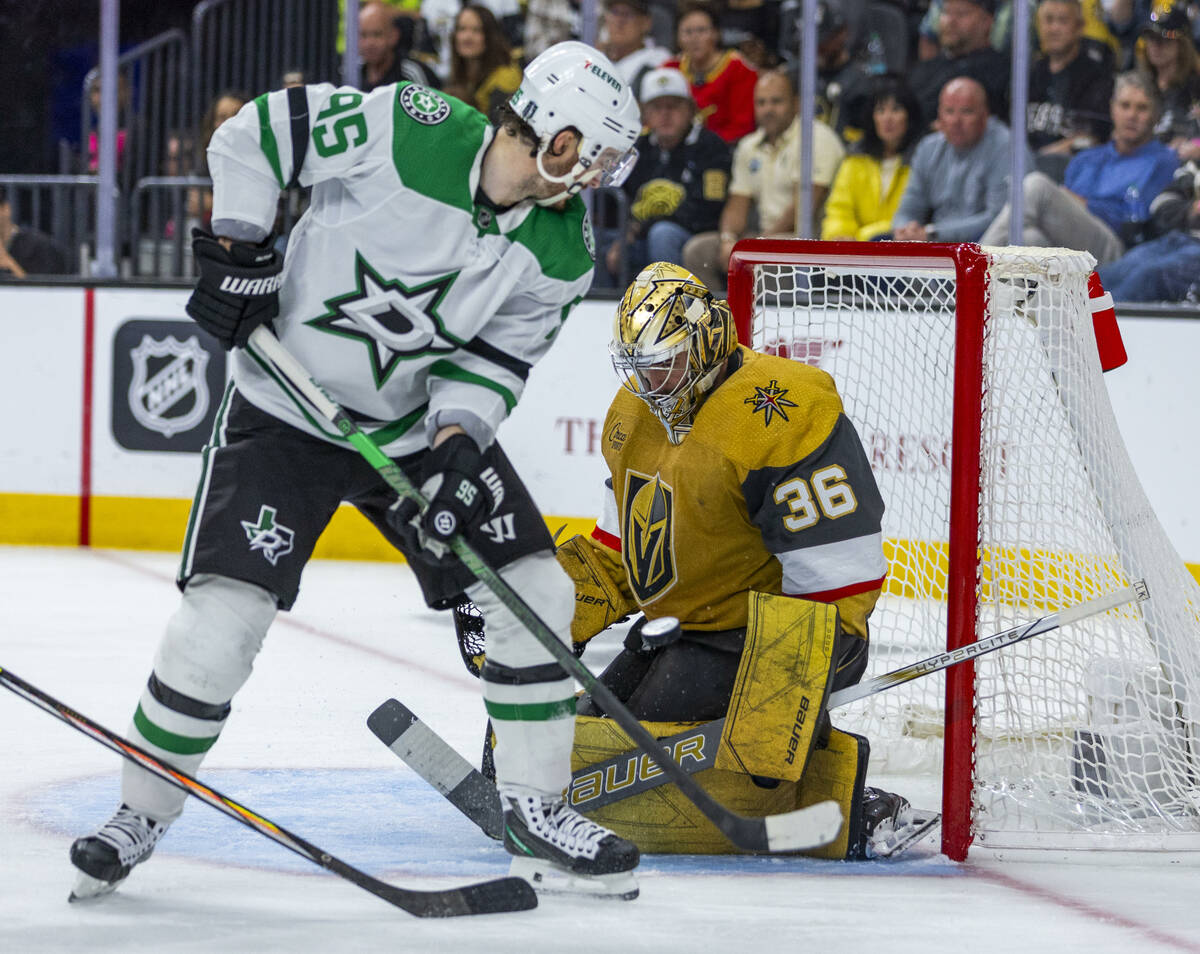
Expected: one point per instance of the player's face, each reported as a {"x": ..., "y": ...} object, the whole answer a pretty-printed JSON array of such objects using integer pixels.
[
  {"x": 468, "y": 35},
  {"x": 774, "y": 105},
  {"x": 1133, "y": 118},
  {"x": 1059, "y": 27},
  {"x": 667, "y": 376}
]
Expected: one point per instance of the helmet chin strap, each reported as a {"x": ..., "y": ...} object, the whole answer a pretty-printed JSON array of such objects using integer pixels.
[{"x": 575, "y": 180}]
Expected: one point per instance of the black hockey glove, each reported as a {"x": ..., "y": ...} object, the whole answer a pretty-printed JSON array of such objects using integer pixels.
[
  {"x": 238, "y": 288},
  {"x": 451, "y": 480}
]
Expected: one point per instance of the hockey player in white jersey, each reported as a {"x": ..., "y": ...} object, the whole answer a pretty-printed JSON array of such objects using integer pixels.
[{"x": 435, "y": 265}]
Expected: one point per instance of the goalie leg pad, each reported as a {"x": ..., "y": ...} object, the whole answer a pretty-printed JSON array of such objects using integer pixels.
[
  {"x": 205, "y": 656},
  {"x": 782, "y": 683}
]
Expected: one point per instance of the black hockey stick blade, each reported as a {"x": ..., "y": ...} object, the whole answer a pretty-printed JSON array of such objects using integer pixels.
[
  {"x": 593, "y": 786},
  {"x": 488, "y": 897},
  {"x": 436, "y": 761},
  {"x": 792, "y": 831}
]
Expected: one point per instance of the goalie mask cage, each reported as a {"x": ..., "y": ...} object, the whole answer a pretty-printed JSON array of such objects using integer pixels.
[{"x": 973, "y": 378}]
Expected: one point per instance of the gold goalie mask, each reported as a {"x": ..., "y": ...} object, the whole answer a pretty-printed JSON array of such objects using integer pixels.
[{"x": 670, "y": 341}]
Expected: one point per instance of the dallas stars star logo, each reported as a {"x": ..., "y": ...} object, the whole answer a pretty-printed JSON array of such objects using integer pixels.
[
  {"x": 269, "y": 537},
  {"x": 395, "y": 322},
  {"x": 770, "y": 400}
]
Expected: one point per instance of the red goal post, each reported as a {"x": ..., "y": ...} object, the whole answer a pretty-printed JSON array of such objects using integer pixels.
[{"x": 974, "y": 378}]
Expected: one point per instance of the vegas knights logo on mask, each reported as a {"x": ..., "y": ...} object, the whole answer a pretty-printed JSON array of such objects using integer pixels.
[{"x": 648, "y": 535}]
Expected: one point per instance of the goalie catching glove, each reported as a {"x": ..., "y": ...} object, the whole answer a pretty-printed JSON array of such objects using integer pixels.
[
  {"x": 454, "y": 480},
  {"x": 238, "y": 287}
]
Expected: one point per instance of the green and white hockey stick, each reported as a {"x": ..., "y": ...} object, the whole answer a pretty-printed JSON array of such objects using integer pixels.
[{"x": 804, "y": 828}]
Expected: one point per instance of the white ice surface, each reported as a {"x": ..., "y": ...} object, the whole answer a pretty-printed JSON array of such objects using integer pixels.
[{"x": 83, "y": 625}]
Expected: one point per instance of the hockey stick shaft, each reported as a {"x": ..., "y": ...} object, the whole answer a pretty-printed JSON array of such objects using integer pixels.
[
  {"x": 804, "y": 828},
  {"x": 504, "y": 894},
  {"x": 1137, "y": 592}
]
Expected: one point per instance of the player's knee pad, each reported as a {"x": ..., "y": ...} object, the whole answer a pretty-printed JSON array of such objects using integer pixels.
[
  {"x": 541, "y": 582},
  {"x": 212, "y": 639}
]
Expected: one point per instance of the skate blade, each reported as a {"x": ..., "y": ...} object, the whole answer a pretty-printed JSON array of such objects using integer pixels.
[
  {"x": 899, "y": 841},
  {"x": 88, "y": 888},
  {"x": 550, "y": 879}
]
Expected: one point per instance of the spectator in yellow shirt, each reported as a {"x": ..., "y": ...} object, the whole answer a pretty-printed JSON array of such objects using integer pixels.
[{"x": 869, "y": 184}]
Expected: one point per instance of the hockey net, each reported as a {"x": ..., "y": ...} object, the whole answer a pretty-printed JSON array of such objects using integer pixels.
[{"x": 973, "y": 378}]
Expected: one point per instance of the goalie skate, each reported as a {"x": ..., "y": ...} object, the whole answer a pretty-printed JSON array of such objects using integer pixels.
[
  {"x": 104, "y": 859},
  {"x": 893, "y": 825},
  {"x": 559, "y": 851}
]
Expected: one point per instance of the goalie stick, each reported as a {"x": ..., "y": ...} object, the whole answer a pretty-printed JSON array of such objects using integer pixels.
[
  {"x": 487, "y": 897},
  {"x": 436, "y": 761},
  {"x": 803, "y": 828}
]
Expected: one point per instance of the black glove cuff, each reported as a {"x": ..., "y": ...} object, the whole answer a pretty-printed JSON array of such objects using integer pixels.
[{"x": 457, "y": 452}]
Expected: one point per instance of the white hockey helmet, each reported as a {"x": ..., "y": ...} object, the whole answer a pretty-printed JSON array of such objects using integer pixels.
[{"x": 573, "y": 85}]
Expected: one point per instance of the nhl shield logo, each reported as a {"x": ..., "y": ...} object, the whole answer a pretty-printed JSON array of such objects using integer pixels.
[{"x": 168, "y": 392}]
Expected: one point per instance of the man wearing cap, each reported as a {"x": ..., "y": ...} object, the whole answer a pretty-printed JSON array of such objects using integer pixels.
[
  {"x": 678, "y": 186},
  {"x": 627, "y": 25},
  {"x": 1167, "y": 53},
  {"x": 964, "y": 32}
]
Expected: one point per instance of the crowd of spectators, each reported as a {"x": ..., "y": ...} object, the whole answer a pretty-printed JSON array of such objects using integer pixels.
[{"x": 911, "y": 140}]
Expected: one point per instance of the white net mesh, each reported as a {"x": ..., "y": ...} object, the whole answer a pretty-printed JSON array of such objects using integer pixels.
[{"x": 1086, "y": 736}]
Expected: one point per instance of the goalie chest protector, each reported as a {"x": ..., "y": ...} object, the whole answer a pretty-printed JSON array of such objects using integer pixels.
[{"x": 706, "y": 520}]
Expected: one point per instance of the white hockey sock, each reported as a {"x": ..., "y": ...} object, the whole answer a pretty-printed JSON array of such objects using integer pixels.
[
  {"x": 535, "y": 728},
  {"x": 205, "y": 656},
  {"x": 530, "y": 700}
]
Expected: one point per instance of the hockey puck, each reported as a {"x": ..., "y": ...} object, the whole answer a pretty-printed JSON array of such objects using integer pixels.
[{"x": 661, "y": 632}]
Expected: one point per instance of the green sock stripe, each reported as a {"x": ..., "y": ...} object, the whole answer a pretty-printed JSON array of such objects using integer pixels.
[
  {"x": 531, "y": 711},
  {"x": 178, "y": 744}
]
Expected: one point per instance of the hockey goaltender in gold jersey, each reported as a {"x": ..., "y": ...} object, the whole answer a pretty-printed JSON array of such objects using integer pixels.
[{"x": 742, "y": 503}]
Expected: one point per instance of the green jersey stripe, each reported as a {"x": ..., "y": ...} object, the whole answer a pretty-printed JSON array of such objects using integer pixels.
[
  {"x": 266, "y": 139},
  {"x": 389, "y": 432},
  {"x": 177, "y": 744},
  {"x": 452, "y": 372},
  {"x": 531, "y": 711}
]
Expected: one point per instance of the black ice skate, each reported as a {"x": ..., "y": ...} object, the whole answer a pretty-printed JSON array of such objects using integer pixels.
[
  {"x": 892, "y": 825},
  {"x": 105, "y": 858},
  {"x": 558, "y": 850}
]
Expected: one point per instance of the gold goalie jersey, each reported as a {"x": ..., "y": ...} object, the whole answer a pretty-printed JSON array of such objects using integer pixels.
[{"x": 770, "y": 491}]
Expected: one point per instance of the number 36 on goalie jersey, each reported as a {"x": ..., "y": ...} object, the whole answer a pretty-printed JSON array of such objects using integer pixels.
[{"x": 770, "y": 491}]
